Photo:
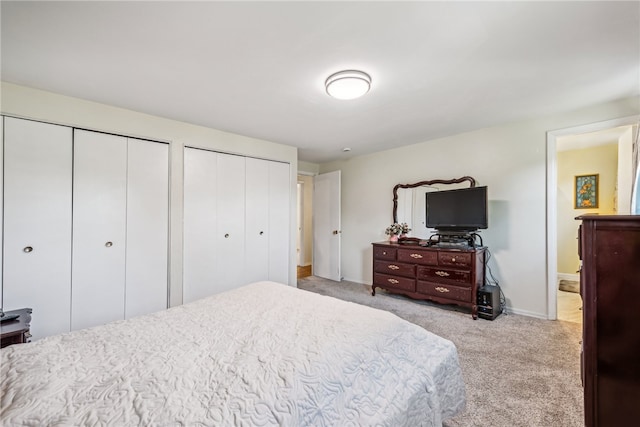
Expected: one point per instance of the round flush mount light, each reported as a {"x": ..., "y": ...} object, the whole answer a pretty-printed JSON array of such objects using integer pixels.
[{"x": 349, "y": 84}]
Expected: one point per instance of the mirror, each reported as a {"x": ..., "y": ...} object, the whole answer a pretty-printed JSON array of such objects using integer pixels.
[{"x": 409, "y": 201}]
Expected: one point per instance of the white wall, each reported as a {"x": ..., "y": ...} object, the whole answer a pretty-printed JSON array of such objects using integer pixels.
[
  {"x": 625, "y": 171},
  {"x": 510, "y": 160},
  {"x": 34, "y": 104},
  {"x": 601, "y": 160}
]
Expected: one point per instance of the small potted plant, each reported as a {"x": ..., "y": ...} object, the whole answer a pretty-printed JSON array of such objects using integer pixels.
[{"x": 395, "y": 230}]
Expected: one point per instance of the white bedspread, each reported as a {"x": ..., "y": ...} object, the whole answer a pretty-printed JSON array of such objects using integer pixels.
[{"x": 264, "y": 354}]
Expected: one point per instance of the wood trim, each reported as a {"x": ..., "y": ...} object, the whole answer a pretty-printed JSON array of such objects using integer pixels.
[{"x": 472, "y": 183}]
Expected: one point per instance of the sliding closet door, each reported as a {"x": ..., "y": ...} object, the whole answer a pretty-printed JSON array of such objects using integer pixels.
[
  {"x": 200, "y": 224},
  {"x": 230, "y": 238},
  {"x": 257, "y": 221},
  {"x": 37, "y": 223},
  {"x": 99, "y": 225},
  {"x": 279, "y": 221},
  {"x": 146, "y": 285},
  {"x": 1, "y": 198},
  {"x": 267, "y": 221}
]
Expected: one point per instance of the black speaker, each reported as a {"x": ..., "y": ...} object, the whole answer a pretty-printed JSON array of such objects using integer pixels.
[{"x": 489, "y": 302}]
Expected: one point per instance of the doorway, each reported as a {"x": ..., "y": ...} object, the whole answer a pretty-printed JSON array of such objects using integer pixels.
[
  {"x": 305, "y": 223},
  {"x": 560, "y": 201}
]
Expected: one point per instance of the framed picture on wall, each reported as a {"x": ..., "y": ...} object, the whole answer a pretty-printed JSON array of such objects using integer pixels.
[{"x": 586, "y": 191}]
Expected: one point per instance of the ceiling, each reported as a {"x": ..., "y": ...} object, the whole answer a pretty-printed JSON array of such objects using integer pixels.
[{"x": 258, "y": 68}]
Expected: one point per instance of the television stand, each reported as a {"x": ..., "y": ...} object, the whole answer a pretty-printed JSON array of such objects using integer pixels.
[{"x": 453, "y": 239}]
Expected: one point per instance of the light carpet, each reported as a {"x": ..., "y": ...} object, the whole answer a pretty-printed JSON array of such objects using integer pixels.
[{"x": 519, "y": 370}]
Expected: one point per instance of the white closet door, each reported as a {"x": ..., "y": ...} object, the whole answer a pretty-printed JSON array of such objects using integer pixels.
[
  {"x": 1, "y": 198},
  {"x": 230, "y": 234},
  {"x": 99, "y": 225},
  {"x": 257, "y": 220},
  {"x": 37, "y": 223},
  {"x": 279, "y": 221},
  {"x": 146, "y": 283},
  {"x": 200, "y": 224}
]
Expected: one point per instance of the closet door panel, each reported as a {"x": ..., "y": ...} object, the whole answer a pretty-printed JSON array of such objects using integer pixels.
[
  {"x": 200, "y": 224},
  {"x": 230, "y": 234},
  {"x": 37, "y": 223},
  {"x": 279, "y": 221},
  {"x": 146, "y": 284},
  {"x": 1, "y": 198},
  {"x": 257, "y": 220},
  {"x": 99, "y": 228}
]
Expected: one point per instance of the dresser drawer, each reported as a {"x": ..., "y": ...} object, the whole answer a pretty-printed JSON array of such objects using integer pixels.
[
  {"x": 444, "y": 291},
  {"x": 454, "y": 259},
  {"x": 418, "y": 257},
  {"x": 384, "y": 253},
  {"x": 444, "y": 274},
  {"x": 395, "y": 268},
  {"x": 386, "y": 281}
]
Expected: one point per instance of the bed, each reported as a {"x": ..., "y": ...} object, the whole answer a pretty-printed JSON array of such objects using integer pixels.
[{"x": 264, "y": 354}]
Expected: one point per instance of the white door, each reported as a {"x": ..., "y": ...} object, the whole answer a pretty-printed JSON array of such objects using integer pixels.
[
  {"x": 200, "y": 224},
  {"x": 230, "y": 238},
  {"x": 326, "y": 226},
  {"x": 257, "y": 220},
  {"x": 1, "y": 198},
  {"x": 99, "y": 228},
  {"x": 146, "y": 283},
  {"x": 279, "y": 221},
  {"x": 37, "y": 223}
]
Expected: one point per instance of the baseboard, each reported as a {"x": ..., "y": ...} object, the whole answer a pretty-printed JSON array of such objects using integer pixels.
[{"x": 510, "y": 310}]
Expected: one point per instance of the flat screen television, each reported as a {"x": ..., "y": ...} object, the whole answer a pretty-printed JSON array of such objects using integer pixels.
[{"x": 462, "y": 210}]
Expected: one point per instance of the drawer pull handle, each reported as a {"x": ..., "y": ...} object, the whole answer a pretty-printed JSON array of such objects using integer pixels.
[
  {"x": 416, "y": 256},
  {"x": 442, "y": 274},
  {"x": 384, "y": 253},
  {"x": 393, "y": 267},
  {"x": 441, "y": 289},
  {"x": 394, "y": 281},
  {"x": 453, "y": 260}
]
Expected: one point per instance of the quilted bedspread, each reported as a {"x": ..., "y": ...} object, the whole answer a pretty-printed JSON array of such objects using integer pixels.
[{"x": 263, "y": 354}]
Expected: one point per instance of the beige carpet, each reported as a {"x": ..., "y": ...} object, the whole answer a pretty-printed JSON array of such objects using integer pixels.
[{"x": 519, "y": 371}]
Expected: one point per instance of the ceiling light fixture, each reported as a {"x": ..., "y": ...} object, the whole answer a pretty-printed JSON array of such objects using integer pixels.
[{"x": 349, "y": 84}]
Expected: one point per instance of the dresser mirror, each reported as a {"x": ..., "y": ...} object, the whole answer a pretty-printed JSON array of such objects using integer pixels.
[{"x": 409, "y": 201}]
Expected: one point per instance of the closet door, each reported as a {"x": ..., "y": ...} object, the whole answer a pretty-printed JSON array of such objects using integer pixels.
[
  {"x": 200, "y": 224},
  {"x": 230, "y": 240},
  {"x": 146, "y": 281},
  {"x": 99, "y": 224},
  {"x": 279, "y": 221},
  {"x": 267, "y": 221},
  {"x": 37, "y": 223},
  {"x": 1, "y": 198},
  {"x": 257, "y": 220}
]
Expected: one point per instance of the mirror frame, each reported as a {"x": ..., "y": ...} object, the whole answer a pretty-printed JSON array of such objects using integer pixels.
[{"x": 472, "y": 183}]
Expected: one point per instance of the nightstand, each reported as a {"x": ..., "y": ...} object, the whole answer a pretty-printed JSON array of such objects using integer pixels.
[{"x": 16, "y": 331}]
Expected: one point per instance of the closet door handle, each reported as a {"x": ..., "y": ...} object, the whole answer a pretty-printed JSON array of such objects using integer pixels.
[
  {"x": 226, "y": 236},
  {"x": 108, "y": 244},
  {"x": 28, "y": 249},
  {"x": 261, "y": 233}
]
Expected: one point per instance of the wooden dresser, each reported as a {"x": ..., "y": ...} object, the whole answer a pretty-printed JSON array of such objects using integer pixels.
[
  {"x": 610, "y": 288},
  {"x": 443, "y": 275},
  {"x": 16, "y": 331}
]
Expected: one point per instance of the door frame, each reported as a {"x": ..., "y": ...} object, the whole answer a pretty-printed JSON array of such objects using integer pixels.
[{"x": 552, "y": 197}]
